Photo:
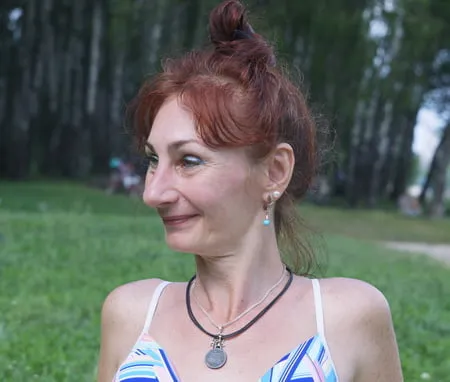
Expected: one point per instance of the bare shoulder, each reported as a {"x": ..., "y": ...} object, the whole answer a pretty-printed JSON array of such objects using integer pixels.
[
  {"x": 125, "y": 308},
  {"x": 356, "y": 307},
  {"x": 123, "y": 317},
  {"x": 346, "y": 293},
  {"x": 359, "y": 318},
  {"x": 128, "y": 301}
]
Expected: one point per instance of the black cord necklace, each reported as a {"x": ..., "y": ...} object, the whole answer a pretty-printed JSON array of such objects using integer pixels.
[{"x": 216, "y": 357}]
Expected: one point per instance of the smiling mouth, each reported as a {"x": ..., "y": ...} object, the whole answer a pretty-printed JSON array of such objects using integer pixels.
[{"x": 173, "y": 221}]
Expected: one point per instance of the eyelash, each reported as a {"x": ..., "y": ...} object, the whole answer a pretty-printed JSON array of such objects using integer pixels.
[
  {"x": 151, "y": 159},
  {"x": 187, "y": 161},
  {"x": 190, "y": 161}
]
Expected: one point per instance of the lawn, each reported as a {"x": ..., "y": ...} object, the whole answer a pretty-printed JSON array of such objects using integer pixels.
[{"x": 63, "y": 247}]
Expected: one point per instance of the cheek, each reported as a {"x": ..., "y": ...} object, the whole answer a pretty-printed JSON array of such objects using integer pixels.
[{"x": 225, "y": 194}]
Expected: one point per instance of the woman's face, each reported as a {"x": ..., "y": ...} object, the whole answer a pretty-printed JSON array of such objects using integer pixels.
[{"x": 207, "y": 199}]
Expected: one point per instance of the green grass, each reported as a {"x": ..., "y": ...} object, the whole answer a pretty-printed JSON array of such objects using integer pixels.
[
  {"x": 386, "y": 225},
  {"x": 62, "y": 197},
  {"x": 64, "y": 247}
]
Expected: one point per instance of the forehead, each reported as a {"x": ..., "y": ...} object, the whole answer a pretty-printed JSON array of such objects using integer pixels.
[{"x": 172, "y": 123}]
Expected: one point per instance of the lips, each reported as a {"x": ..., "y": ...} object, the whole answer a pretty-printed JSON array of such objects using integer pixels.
[{"x": 176, "y": 219}]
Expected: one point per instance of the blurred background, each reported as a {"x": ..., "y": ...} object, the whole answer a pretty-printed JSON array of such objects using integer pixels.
[{"x": 376, "y": 72}]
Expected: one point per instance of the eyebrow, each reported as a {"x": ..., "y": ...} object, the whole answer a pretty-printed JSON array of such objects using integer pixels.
[{"x": 174, "y": 145}]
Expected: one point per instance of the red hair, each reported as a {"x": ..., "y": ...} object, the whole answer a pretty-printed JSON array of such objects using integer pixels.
[{"x": 238, "y": 98}]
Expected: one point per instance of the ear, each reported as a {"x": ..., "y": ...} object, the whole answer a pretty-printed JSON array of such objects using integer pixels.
[{"x": 279, "y": 168}]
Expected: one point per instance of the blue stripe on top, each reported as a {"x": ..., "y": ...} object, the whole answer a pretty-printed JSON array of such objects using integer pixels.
[{"x": 308, "y": 362}]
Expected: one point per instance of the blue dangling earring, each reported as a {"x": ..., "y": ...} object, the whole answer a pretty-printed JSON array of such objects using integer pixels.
[
  {"x": 275, "y": 195},
  {"x": 266, "y": 220}
]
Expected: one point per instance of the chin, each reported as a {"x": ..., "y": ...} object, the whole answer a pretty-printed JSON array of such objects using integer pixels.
[
  {"x": 180, "y": 242},
  {"x": 189, "y": 243}
]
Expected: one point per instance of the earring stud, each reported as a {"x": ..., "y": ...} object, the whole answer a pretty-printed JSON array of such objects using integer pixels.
[{"x": 272, "y": 198}]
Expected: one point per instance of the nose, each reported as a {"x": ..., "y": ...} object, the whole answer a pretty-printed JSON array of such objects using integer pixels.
[{"x": 160, "y": 188}]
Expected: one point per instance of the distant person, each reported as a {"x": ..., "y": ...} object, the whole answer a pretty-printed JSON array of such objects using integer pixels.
[
  {"x": 230, "y": 143},
  {"x": 409, "y": 205},
  {"x": 115, "y": 178},
  {"x": 123, "y": 177}
]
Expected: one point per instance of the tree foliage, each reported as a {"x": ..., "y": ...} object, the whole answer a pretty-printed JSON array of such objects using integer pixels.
[{"x": 68, "y": 69}]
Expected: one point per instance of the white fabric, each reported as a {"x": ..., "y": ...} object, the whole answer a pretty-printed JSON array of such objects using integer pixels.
[
  {"x": 319, "y": 308},
  {"x": 153, "y": 304}
]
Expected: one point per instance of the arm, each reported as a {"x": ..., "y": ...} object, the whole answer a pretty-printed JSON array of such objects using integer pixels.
[
  {"x": 378, "y": 359},
  {"x": 123, "y": 316},
  {"x": 108, "y": 359}
]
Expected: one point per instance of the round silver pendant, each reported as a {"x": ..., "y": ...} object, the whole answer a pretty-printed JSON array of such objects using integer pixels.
[{"x": 215, "y": 358}]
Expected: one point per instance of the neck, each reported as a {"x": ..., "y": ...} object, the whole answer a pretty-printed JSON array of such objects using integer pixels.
[{"x": 229, "y": 284}]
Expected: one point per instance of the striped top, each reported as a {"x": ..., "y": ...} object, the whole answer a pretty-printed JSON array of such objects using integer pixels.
[{"x": 308, "y": 362}]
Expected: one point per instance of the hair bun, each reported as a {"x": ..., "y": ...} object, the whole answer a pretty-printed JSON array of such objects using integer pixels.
[
  {"x": 228, "y": 22},
  {"x": 232, "y": 34},
  {"x": 242, "y": 35}
]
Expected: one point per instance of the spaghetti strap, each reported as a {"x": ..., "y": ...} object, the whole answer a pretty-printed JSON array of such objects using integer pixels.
[
  {"x": 153, "y": 304},
  {"x": 319, "y": 307}
]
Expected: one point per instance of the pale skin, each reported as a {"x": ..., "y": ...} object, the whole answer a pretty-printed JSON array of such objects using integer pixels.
[{"x": 219, "y": 196}]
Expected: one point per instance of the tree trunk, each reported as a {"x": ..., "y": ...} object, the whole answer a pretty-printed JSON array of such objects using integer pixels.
[
  {"x": 18, "y": 163},
  {"x": 436, "y": 178},
  {"x": 75, "y": 145},
  {"x": 95, "y": 127},
  {"x": 357, "y": 132},
  {"x": 154, "y": 40},
  {"x": 426, "y": 186},
  {"x": 402, "y": 154},
  {"x": 368, "y": 151},
  {"x": 5, "y": 79},
  {"x": 94, "y": 62},
  {"x": 382, "y": 153},
  {"x": 191, "y": 23}
]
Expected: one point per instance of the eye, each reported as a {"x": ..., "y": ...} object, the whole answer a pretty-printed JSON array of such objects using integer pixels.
[
  {"x": 152, "y": 161},
  {"x": 190, "y": 161}
]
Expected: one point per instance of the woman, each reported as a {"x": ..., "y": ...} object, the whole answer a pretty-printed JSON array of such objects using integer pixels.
[{"x": 230, "y": 143}]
